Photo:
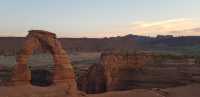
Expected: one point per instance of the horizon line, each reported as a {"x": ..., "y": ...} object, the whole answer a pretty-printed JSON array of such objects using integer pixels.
[{"x": 9, "y": 36}]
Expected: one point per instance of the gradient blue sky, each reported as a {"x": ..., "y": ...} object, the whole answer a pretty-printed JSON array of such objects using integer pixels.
[{"x": 99, "y": 18}]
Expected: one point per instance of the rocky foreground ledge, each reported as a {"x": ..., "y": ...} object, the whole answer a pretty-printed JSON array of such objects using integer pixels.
[
  {"x": 183, "y": 91},
  {"x": 35, "y": 91},
  {"x": 59, "y": 91}
]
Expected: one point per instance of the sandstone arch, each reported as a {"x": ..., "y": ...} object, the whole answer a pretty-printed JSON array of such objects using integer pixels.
[{"x": 63, "y": 72}]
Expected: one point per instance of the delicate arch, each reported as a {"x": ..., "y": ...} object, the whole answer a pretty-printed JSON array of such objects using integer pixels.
[{"x": 63, "y": 72}]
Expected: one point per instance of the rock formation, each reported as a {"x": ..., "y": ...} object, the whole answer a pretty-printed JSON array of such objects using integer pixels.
[
  {"x": 63, "y": 73},
  {"x": 124, "y": 71},
  {"x": 93, "y": 81},
  {"x": 121, "y": 67},
  {"x": 114, "y": 72}
]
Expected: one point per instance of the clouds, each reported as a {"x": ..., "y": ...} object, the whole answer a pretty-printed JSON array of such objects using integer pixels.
[
  {"x": 188, "y": 32},
  {"x": 176, "y": 27}
]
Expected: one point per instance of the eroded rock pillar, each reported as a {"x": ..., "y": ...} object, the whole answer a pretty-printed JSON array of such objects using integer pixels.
[
  {"x": 63, "y": 73},
  {"x": 21, "y": 72}
]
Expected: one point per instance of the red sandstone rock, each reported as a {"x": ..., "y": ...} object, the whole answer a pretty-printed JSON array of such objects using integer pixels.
[
  {"x": 120, "y": 67},
  {"x": 94, "y": 81},
  {"x": 122, "y": 71},
  {"x": 115, "y": 72},
  {"x": 63, "y": 73}
]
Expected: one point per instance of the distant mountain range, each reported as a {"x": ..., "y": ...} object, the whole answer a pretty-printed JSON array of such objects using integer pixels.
[{"x": 162, "y": 44}]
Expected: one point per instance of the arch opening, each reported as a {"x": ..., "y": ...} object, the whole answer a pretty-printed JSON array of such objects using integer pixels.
[{"x": 41, "y": 67}]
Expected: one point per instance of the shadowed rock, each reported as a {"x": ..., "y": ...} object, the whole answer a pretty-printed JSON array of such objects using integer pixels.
[
  {"x": 41, "y": 77},
  {"x": 115, "y": 72},
  {"x": 121, "y": 67}
]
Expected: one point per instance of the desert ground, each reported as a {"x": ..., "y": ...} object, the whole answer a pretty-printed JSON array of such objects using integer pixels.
[{"x": 52, "y": 91}]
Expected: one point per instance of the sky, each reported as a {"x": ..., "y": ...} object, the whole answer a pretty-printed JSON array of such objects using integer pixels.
[{"x": 100, "y": 18}]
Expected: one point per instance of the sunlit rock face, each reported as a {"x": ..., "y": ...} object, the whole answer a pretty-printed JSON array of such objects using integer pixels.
[{"x": 63, "y": 73}]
